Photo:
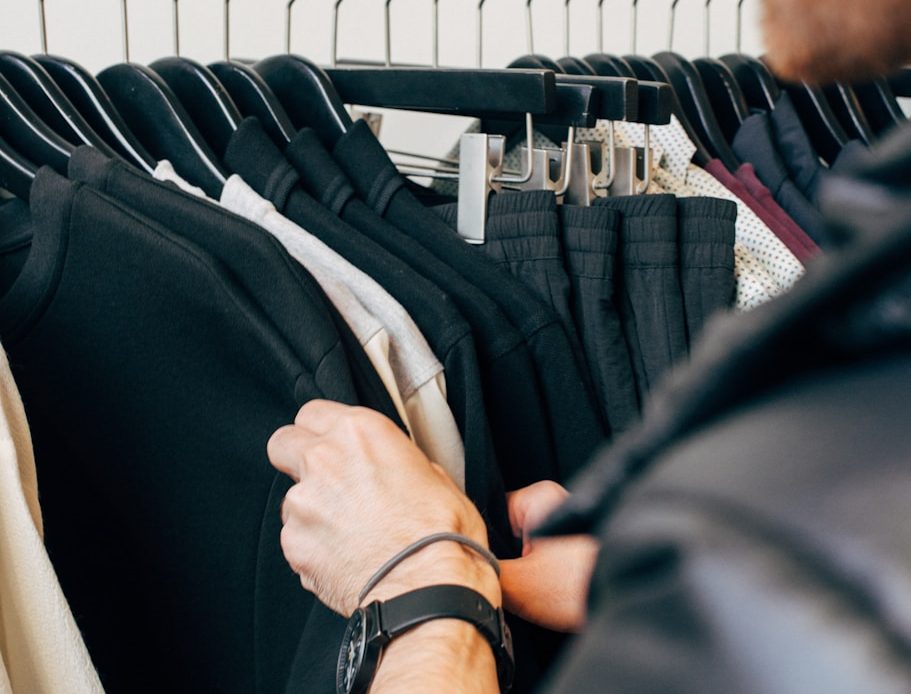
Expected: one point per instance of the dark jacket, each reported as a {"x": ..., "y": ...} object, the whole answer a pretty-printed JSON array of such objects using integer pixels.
[{"x": 754, "y": 529}]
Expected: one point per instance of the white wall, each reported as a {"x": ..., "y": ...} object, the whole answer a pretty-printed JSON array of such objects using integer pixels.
[{"x": 90, "y": 31}]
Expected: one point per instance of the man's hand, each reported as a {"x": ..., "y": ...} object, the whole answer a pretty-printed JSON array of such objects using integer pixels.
[
  {"x": 364, "y": 492},
  {"x": 549, "y": 584}
]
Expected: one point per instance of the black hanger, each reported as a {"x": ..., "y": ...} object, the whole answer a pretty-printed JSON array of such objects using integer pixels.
[
  {"x": 609, "y": 65},
  {"x": 465, "y": 92},
  {"x": 536, "y": 62},
  {"x": 655, "y": 103},
  {"x": 204, "y": 98},
  {"x": 821, "y": 124},
  {"x": 87, "y": 95},
  {"x": 901, "y": 82},
  {"x": 880, "y": 105},
  {"x": 826, "y": 133},
  {"x": 254, "y": 98},
  {"x": 647, "y": 69},
  {"x": 687, "y": 84},
  {"x": 725, "y": 95},
  {"x": 28, "y": 135},
  {"x": 308, "y": 95},
  {"x": 16, "y": 172},
  {"x": 759, "y": 87},
  {"x": 544, "y": 62},
  {"x": 574, "y": 105},
  {"x": 162, "y": 124},
  {"x": 654, "y": 100},
  {"x": 847, "y": 109},
  {"x": 618, "y": 97},
  {"x": 36, "y": 87},
  {"x": 573, "y": 66}
]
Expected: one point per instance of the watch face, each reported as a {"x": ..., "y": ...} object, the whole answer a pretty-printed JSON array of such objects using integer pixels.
[{"x": 351, "y": 655}]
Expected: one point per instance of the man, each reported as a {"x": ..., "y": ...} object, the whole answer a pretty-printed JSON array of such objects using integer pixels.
[{"x": 751, "y": 535}]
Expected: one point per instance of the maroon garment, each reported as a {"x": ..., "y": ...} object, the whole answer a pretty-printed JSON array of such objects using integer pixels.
[
  {"x": 746, "y": 174},
  {"x": 729, "y": 181}
]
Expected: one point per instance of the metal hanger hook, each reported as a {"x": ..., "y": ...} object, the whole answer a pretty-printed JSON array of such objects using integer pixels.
[
  {"x": 567, "y": 169},
  {"x": 481, "y": 33},
  {"x": 642, "y": 188},
  {"x": 566, "y": 27},
  {"x": 634, "y": 26},
  {"x": 176, "y": 24},
  {"x": 388, "y": 25},
  {"x": 335, "y": 11},
  {"x": 739, "y": 23},
  {"x": 708, "y": 27},
  {"x": 671, "y": 24},
  {"x": 600, "y": 26},
  {"x": 436, "y": 33},
  {"x": 288, "y": 8},
  {"x": 611, "y": 164},
  {"x": 126, "y": 32},
  {"x": 529, "y": 28},
  {"x": 227, "y": 29},
  {"x": 42, "y": 26}
]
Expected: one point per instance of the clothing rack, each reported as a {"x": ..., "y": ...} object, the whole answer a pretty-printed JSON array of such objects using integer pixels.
[{"x": 191, "y": 252}]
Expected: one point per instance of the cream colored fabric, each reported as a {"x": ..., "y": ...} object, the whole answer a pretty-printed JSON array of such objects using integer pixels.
[{"x": 41, "y": 649}]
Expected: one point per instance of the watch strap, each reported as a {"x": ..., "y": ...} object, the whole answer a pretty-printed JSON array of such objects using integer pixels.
[{"x": 407, "y": 611}]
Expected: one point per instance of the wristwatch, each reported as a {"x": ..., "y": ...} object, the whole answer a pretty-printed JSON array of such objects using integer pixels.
[{"x": 373, "y": 626}]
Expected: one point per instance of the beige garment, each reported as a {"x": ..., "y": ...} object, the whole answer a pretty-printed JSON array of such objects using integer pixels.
[{"x": 41, "y": 649}]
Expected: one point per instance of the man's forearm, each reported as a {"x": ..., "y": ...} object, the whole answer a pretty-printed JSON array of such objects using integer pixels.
[{"x": 444, "y": 655}]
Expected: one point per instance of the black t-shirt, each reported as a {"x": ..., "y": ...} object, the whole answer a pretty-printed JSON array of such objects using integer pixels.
[
  {"x": 515, "y": 404},
  {"x": 433, "y": 311},
  {"x": 152, "y": 383},
  {"x": 287, "y": 293},
  {"x": 450, "y": 337},
  {"x": 573, "y": 415}
]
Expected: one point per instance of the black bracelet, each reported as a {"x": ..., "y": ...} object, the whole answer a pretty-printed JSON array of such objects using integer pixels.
[{"x": 384, "y": 570}]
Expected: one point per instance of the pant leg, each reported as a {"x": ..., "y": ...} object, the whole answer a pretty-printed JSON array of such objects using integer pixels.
[
  {"x": 590, "y": 240},
  {"x": 706, "y": 228},
  {"x": 652, "y": 301}
]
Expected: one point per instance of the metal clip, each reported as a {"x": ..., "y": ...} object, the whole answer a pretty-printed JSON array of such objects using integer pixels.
[
  {"x": 628, "y": 163},
  {"x": 480, "y": 167},
  {"x": 626, "y": 176},
  {"x": 548, "y": 165},
  {"x": 588, "y": 170}
]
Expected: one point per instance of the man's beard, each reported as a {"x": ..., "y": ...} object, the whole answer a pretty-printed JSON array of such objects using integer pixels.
[{"x": 824, "y": 41}]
